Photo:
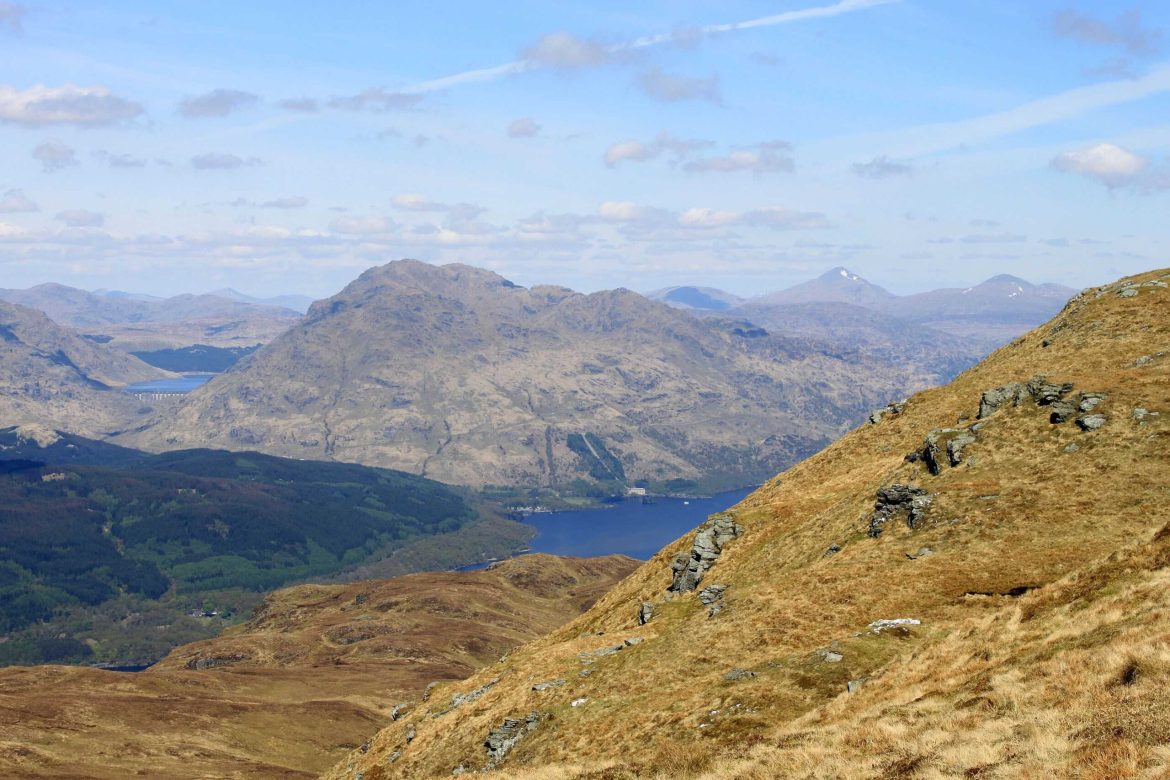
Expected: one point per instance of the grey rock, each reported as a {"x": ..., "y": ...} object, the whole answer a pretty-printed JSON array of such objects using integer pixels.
[
  {"x": 544, "y": 686},
  {"x": 956, "y": 446},
  {"x": 715, "y": 609},
  {"x": 600, "y": 652},
  {"x": 853, "y": 686},
  {"x": 1144, "y": 360},
  {"x": 896, "y": 499},
  {"x": 712, "y": 593},
  {"x": 429, "y": 689},
  {"x": 390, "y": 759},
  {"x": 878, "y": 626},
  {"x": 585, "y": 672},
  {"x": 1128, "y": 293},
  {"x": 1073, "y": 447},
  {"x": 396, "y": 711},
  {"x": 1062, "y": 411},
  {"x": 739, "y": 674},
  {"x": 410, "y": 733},
  {"x": 213, "y": 661},
  {"x": 876, "y": 415},
  {"x": 504, "y": 737},
  {"x": 645, "y": 612},
  {"x": 1141, "y": 413},
  {"x": 830, "y": 656},
  {"x": 997, "y": 398},
  {"x": 924, "y": 551},
  {"x": 634, "y": 640},
  {"x": 1091, "y": 422},
  {"x": 1046, "y": 392},
  {"x": 1090, "y": 401},
  {"x": 832, "y": 549},
  {"x": 706, "y": 548},
  {"x": 459, "y": 699}
]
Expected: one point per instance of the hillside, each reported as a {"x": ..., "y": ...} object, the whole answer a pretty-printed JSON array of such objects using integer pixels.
[
  {"x": 971, "y": 585},
  {"x": 286, "y": 694},
  {"x": 84, "y": 544},
  {"x": 52, "y": 376},
  {"x": 457, "y": 374}
]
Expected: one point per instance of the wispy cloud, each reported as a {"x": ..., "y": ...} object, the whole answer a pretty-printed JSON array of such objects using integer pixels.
[
  {"x": 565, "y": 50},
  {"x": 524, "y": 127},
  {"x": 664, "y": 142},
  {"x": 765, "y": 157},
  {"x": 1126, "y": 31},
  {"x": 377, "y": 99},
  {"x": 671, "y": 88},
  {"x": 882, "y": 167},
  {"x": 81, "y": 218},
  {"x": 12, "y": 16},
  {"x": 15, "y": 201},
  {"x": 222, "y": 161}
]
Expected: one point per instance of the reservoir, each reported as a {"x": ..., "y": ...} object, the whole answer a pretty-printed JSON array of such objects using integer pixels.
[
  {"x": 181, "y": 384},
  {"x": 630, "y": 528}
]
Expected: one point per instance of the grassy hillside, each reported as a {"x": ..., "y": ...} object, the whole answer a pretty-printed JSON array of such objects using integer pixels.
[
  {"x": 1027, "y": 578},
  {"x": 190, "y": 527},
  {"x": 288, "y": 693}
]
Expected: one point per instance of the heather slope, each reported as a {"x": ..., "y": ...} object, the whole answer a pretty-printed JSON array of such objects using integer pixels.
[
  {"x": 317, "y": 669},
  {"x": 1013, "y": 543},
  {"x": 457, "y": 374}
]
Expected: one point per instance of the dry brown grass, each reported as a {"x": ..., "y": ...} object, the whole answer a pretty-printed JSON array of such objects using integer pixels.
[
  {"x": 305, "y": 692},
  {"x": 998, "y": 681}
]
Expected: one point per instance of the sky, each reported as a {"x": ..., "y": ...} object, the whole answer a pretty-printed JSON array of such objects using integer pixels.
[{"x": 285, "y": 147}]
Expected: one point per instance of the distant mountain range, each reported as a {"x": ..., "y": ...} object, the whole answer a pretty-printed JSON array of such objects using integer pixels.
[
  {"x": 225, "y": 320},
  {"x": 985, "y": 316},
  {"x": 456, "y": 373}
]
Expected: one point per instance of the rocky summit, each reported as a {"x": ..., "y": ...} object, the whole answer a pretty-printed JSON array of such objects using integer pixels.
[
  {"x": 460, "y": 375},
  {"x": 973, "y": 583}
]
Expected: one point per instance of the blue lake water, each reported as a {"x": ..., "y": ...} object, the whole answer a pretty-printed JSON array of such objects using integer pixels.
[
  {"x": 182, "y": 384},
  {"x": 630, "y": 528}
]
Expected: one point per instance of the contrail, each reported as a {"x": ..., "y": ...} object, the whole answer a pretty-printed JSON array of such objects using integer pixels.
[{"x": 520, "y": 66}]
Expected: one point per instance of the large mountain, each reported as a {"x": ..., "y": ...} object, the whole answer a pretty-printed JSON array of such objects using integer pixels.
[
  {"x": 974, "y": 584},
  {"x": 838, "y": 285},
  {"x": 50, "y": 375},
  {"x": 298, "y": 303},
  {"x": 458, "y": 374},
  {"x": 285, "y": 695}
]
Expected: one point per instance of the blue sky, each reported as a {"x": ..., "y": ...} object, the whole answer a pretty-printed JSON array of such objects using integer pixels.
[{"x": 285, "y": 147}]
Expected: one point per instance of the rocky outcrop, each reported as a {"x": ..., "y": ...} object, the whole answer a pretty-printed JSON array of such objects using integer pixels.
[
  {"x": 944, "y": 447},
  {"x": 504, "y": 737},
  {"x": 213, "y": 661},
  {"x": 645, "y": 613},
  {"x": 544, "y": 686},
  {"x": 689, "y": 567},
  {"x": 1037, "y": 389},
  {"x": 1091, "y": 422},
  {"x": 889, "y": 410},
  {"x": 893, "y": 500}
]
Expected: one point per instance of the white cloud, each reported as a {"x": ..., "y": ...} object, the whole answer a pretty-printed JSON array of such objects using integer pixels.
[
  {"x": 81, "y": 218},
  {"x": 669, "y": 88},
  {"x": 120, "y": 160},
  {"x": 15, "y": 201},
  {"x": 70, "y": 104},
  {"x": 1109, "y": 164},
  {"x": 460, "y": 214},
  {"x": 708, "y": 218},
  {"x": 622, "y": 211},
  {"x": 778, "y": 218},
  {"x": 217, "y": 103},
  {"x": 524, "y": 127},
  {"x": 363, "y": 226},
  {"x": 639, "y": 152},
  {"x": 55, "y": 155}
]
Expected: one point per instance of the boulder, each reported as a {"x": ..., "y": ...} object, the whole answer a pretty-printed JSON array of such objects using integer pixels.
[
  {"x": 878, "y": 626},
  {"x": 1062, "y": 411},
  {"x": 711, "y": 594},
  {"x": 1090, "y": 401},
  {"x": 1090, "y": 422},
  {"x": 896, "y": 499},
  {"x": 876, "y": 415},
  {"x": 739, "y": 674},
  {"x": 544, "y": 686},
  {"x": 997, "y": 398},
  {"x": 645, "y": 613}
]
